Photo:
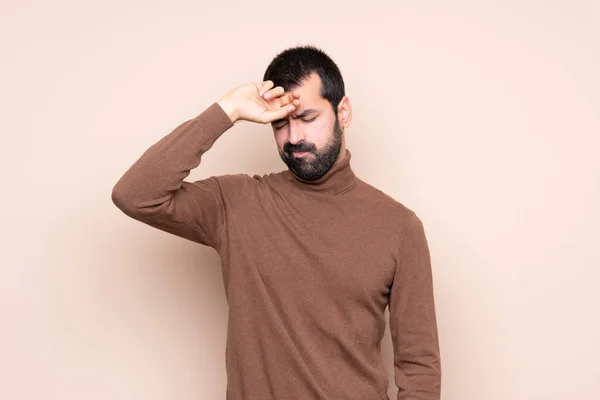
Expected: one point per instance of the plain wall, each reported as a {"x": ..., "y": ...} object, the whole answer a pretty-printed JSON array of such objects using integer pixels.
[{"x": 483, "y": 117}]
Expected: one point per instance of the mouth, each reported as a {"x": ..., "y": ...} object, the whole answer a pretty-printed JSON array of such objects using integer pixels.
[{"x": 299, "y": 153}]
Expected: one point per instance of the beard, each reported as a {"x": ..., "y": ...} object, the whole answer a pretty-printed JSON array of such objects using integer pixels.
[{"x": 309, "y": 167}]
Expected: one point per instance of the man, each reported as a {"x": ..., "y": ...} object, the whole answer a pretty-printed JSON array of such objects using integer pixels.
[{"x": 311, "y": 256}]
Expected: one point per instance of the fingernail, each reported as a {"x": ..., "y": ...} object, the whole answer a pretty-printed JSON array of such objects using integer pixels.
[{"x": 267, "y": 95}]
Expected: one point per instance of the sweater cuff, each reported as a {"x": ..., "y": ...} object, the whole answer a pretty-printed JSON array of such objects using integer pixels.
[{"x": 219, "y": 119}]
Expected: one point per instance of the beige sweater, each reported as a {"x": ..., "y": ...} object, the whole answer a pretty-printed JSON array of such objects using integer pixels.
[{"x": 308, "y": 269}]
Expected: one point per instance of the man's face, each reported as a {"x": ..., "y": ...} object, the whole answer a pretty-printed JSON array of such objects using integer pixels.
[{"x": 310, "y": 139}]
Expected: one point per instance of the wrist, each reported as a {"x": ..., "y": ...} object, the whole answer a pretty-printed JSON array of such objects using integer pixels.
[{"x": 229, "y": 109}]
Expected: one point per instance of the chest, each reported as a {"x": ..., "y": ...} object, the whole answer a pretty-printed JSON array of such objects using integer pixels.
[{"x": 342, "y": 250}]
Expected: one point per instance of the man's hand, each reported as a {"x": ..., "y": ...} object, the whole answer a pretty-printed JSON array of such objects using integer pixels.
[{"x": 259, "y": 102}]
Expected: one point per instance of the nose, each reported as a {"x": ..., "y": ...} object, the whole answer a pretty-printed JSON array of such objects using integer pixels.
[{"x": 295, "y": 133}]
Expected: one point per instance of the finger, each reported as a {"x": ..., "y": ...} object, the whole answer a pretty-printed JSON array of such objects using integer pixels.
[
  {"x": 264, "y": 86},
  {"x": 288, "y": 98},
  {"x": 294, "y": 102},
  {"x": 270, "y": 116},
  {"x": 276, "y": 92}
]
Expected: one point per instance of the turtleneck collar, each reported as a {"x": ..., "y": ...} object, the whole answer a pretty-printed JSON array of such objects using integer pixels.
[{"x": 338, "y": 179}]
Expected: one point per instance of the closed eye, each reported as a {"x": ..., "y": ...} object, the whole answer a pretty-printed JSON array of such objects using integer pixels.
[
  {"x": 284, "y": 123},
  {"x": 280, "y": 125}
]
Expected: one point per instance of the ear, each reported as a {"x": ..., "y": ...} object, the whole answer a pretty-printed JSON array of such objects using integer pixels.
[{"x": 344, "y": 111}]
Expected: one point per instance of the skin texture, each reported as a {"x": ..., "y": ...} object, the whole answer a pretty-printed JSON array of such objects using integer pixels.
[{"x": 318, "y": 133}]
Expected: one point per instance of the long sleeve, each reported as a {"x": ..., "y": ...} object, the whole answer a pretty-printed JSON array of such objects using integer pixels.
[
  {"x": 153, "y": 189},
  {"x": 413, "y": 326}
]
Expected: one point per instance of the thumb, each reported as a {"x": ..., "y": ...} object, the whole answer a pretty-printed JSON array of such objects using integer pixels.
[{"x": 270, "y": 116}]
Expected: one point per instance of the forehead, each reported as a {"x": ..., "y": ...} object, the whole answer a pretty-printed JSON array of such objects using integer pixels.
[
  {"x": 310, "y": 92},
  {"x": 310, "y": 98}
]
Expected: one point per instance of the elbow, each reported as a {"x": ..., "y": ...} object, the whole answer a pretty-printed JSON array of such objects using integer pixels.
[
  {"x": 129, "y": 199},
  {"x": 123, "y": 199}
]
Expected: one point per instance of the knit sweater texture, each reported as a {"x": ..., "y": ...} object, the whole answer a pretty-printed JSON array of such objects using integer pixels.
[{"x": 309, "y": 268}]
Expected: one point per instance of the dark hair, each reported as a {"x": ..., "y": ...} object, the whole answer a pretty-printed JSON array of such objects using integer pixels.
[{"x": 293, "y": 65}]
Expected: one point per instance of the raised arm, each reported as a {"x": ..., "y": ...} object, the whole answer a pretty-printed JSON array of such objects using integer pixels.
[
  {"x": 153, "y": 189},
  {"x": 413, "y": 326}
]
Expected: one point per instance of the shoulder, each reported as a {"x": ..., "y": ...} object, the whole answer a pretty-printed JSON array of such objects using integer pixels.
[
  {"x": 242, "y": 183},
  {"x": 232, "y": 182},
  {"x": 244, "y": 178},
  {"x": 383, "y": 203}
]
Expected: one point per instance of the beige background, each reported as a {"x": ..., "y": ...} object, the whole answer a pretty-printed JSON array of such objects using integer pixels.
[{"x": 483, "y": 117}]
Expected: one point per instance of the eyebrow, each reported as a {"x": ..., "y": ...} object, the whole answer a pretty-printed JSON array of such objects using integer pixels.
[{"x": 302, "y": 114}]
